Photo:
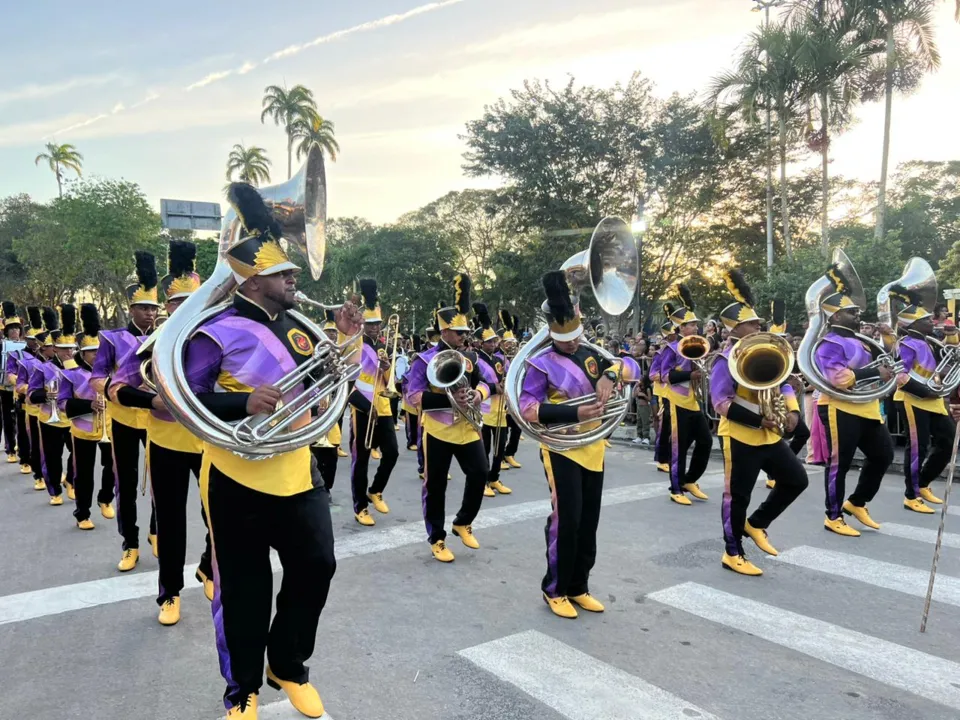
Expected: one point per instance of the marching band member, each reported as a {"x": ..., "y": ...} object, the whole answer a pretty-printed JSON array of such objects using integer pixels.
[
  {"x": 27, "y": 364},
  {"x": 368, "y": 394},
  {"x": 509, "y": 345},
  {"x": 751, "y": 442},
  {"x": 327, "y": 451},
  {"x": 924, "y": 412},
  {"x": 687, "y": 423},
  {"x": 495, "y": 413},
  {"x": 12, "y": 327},
  {"x": 86, "y": 410},
  {"x": 841, "y": 359},
  {"x": 446, "y": 433},
  {"x": 58, "y": 348},
  {"x": 232, "y": 364},
  {"x": 565, "y": 371},
  {"x": 661, "y": 440},
  {"x": 116, "y": 375},
  {"x": 173, "y": 453},
  {"x": 412, "y": 426}
]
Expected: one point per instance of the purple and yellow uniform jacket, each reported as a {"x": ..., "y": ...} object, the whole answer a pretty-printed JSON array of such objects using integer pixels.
[
  {"x": 553, "y": 377},
  {"x": 655, "y": 381},
  {"x": 43, "y": 381},
  {"x": 739, "y": 408},
  {"x": 493, "y": 370},
  {"x": 27, "y": 364},
  {"x": 229, "y": 356},
  {"x": 438, "y": 417},
  {"x": 919, "y": 364},
  {"x": 674, "y": 372},
  {"x": 75, "y": 400},
  {"x": 370, "y": 376},
  {"x": 841, "y": 358},
  {"x": 117, "y": 366}
]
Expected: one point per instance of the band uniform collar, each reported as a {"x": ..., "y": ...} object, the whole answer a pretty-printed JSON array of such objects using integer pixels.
[
  {"x": 134, "y": 329},
  {"x": 250, "y": 309}
]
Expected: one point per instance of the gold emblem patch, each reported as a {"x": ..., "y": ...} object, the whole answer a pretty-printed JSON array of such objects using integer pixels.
[
  {"x": 593, "y": 370},
  {"x": 499, "y": 368},
  {"x": 300, "y": 341},
  {"x": 469, "y": 364}
]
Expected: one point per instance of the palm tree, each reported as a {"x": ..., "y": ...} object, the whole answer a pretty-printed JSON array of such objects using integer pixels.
[
  {"x": 318, "y": 132},
  {"x": 766, "y": 75},
  {"x": 60, "y": 158},
  {"x": 902, "y": 32},
  {"x": 251, "y": 163},
  {"x": 286, "y": 107}
]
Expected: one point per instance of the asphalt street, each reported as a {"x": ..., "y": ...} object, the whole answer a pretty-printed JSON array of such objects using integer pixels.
[{"x": 829, "y": 631}]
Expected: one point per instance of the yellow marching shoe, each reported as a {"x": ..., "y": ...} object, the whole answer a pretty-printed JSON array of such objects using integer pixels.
[
  {"x": 695, "y": 490},
  {"x": 771, "y": 484},
  {"x": 465, "y": 533},
  {"x": 170, "y": 611},
  {"x": 303, "y": 696},
  {"x": 375, "y": 454},
  {"x": 421, "y": 475},
  {"x": 488, "y": 491},
  {"x": 378, "y": 504},
  {"x": 916, "y": 505},
  {"x": 740, "y": 564},
  {"x": 663, "y": 467},
  {"x": 106, "y": 509},
  {"x": 411, "y": 447},
  {"x": 607, "y": 443},
  {"x": 71, "y": 493},
  {"x": 840, "y": 527},
  {"x": 86, "y": 524},
  {"x": 441, "y": 552},
  {"x": 39, "y": 485},
  {"x": 561, "y": 607},
  {"x": 63, "y": 480},
  {"x": 927, "y": 494},
  {"x": 512, "y": 461},
  {"x": 11, "y": 458},
  {"x": 129, "y": 560},
  {"x": 58, "y": 500},
  {"x": 342, "y": 453},
  {"x": 500, "y": 487},
  {"x": 247, "y": 711},
  {"x": 588, "y": 602},
  {"x": 504, "y": 466},
  {"x": 25, "y": 469},
  {"x": 759, "y": 536},
  {"x": 365, "y": 518},
  {"x": 207, "y": 584},
  {"x": 152, "y": 539},
  {"x": 680, "y": 499},
  {"x": 861, "y": 514}
]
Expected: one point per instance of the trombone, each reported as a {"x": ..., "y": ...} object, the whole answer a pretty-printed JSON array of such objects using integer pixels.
[
  {"x": 100, "y": 418},
  {"x": 389, "y": 389}
]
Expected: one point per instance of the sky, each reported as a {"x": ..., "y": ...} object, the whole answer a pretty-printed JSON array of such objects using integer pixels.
[{"x": 158, "y": 93}]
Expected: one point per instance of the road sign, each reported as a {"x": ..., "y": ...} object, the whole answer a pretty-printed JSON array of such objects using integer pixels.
[{"x": 189, "y": 215}]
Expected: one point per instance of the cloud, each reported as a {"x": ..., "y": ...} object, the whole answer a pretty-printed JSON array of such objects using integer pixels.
[
  {"x": 151, "y": 96},
  {"x": 35, "y": 91},
  {"x": 119, "y": 107},
  {"x": 246, "y": 67},
  {"x": 82, "y": 124},
  {"x": 211, "y": 78}
]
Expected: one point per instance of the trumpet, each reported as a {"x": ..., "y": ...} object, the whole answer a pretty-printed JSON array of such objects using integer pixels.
[
  {"x": 100, "y": 418},
  {"x": 53, "y": 389}
]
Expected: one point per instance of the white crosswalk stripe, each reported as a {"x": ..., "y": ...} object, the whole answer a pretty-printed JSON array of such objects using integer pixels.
[
  {"x": 901, "y": 667},
  {"x": 576, "y": 685},
  {"x": 920, "y": 534},
  {"x": 907, "y": 580}
]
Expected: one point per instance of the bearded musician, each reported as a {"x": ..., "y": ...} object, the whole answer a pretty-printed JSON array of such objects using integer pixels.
[
  {"x": 27, "y": 363},
  {"x": 492, "y": 371},
  {"x": 446, "y": 432},
  {"x": 565, "y": 371},
  {"x": 752, "y": 442}
]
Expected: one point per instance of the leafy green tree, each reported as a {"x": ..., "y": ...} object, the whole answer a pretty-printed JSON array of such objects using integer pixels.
[
  {"x": 315, "y": 131},
  {"x": 19, "y": 215},
  {"x": 925, "y": 208},
  {"x": 286, "y": 108},
  {"x": 60, "y": 158},
  {"x": 251, "y": 164}
]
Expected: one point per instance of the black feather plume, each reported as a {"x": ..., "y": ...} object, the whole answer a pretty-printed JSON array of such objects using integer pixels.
[
  {"x": 68, "y": 319},
  {"x": 558, "y": 296},
  {"x": 9, "y": 308},
  {"x": 90, "y": 319},
  {"x": 516, "y": 323},
  {"x": 737, "y": 285},
  {"x": 506, "y": 320},
  {"x": 907, "y": 297},
  {"x": 36, "y": 319},
  {"x": 668, "y": 310},
  {"x": 417, "y": 344},
  {"x": 146, "y": 269},
  {"x": 329, "y": 316},
  {"x": 778, "y": 312},
  {"x": 685, "y": 297},
  {"x": 462, "y": 284},
  {"x": 253, "y": 211},
  {"x": 483, "y": 315},
  {"x": 181, "y": 258},
  {"x": 368, "y": 288},
  {"x": 839, "y": 280},
  {"x": 50, "y": 319}
]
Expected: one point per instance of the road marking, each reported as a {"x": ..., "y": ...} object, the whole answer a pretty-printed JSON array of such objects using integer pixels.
[
  {"x": 283, "y": 710},
  {"x": 889, "y": 576},
  {"x": 67, "y": 598},
  {"x": 576, "y": 685},
  {"x": 901, "y": 667},
  {"x": 920, "y": 534}
]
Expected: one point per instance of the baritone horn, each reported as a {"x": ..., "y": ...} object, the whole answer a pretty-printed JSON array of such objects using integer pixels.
[
  {"x": 762, "y": 362},
  {"x": 696, "y": 349},
  {"x": 447, "y": 370}
]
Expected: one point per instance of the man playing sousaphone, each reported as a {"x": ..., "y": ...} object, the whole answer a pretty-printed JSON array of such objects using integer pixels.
[
  {"x": 752, "y": 441},
  {"x": 566, "y": 371}
]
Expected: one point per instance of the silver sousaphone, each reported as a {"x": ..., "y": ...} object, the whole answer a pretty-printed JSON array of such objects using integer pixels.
[
  {"x": 300, "y": 206},
  {"x": 609, "y": 267}
]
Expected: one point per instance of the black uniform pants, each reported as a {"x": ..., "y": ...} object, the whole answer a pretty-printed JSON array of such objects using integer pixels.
[
  {"x": 742, "y": 464},
  {"x": 499, "y": 452},
  {"x": 661, "y": 443},
  {"x": 845, "y": 433},
  {"x": 385, "y": 439},
  {"x": 437, "y": 455},
  {"x": 23, "y": 434},
  {"x": 513, "y": 440},
  {"x": 244, "y": 526},
  {"x": 571, "y": 530},
  {"x": 395, "y": 411},
  {"x": 687, "y": 427},
  {"x": 126, "y": 470},
  {"x": 327, "y": 459},
  {"x": 53, "y": 441},
  {"x": 36, "y": 459},
  {"x": 923, "y": 426},
  {"x": 84, "y": 464},
  {"x": 412, "y": 429},
  {"x": 170, "y": 487},
  {"x": 8, "y": 421}
]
